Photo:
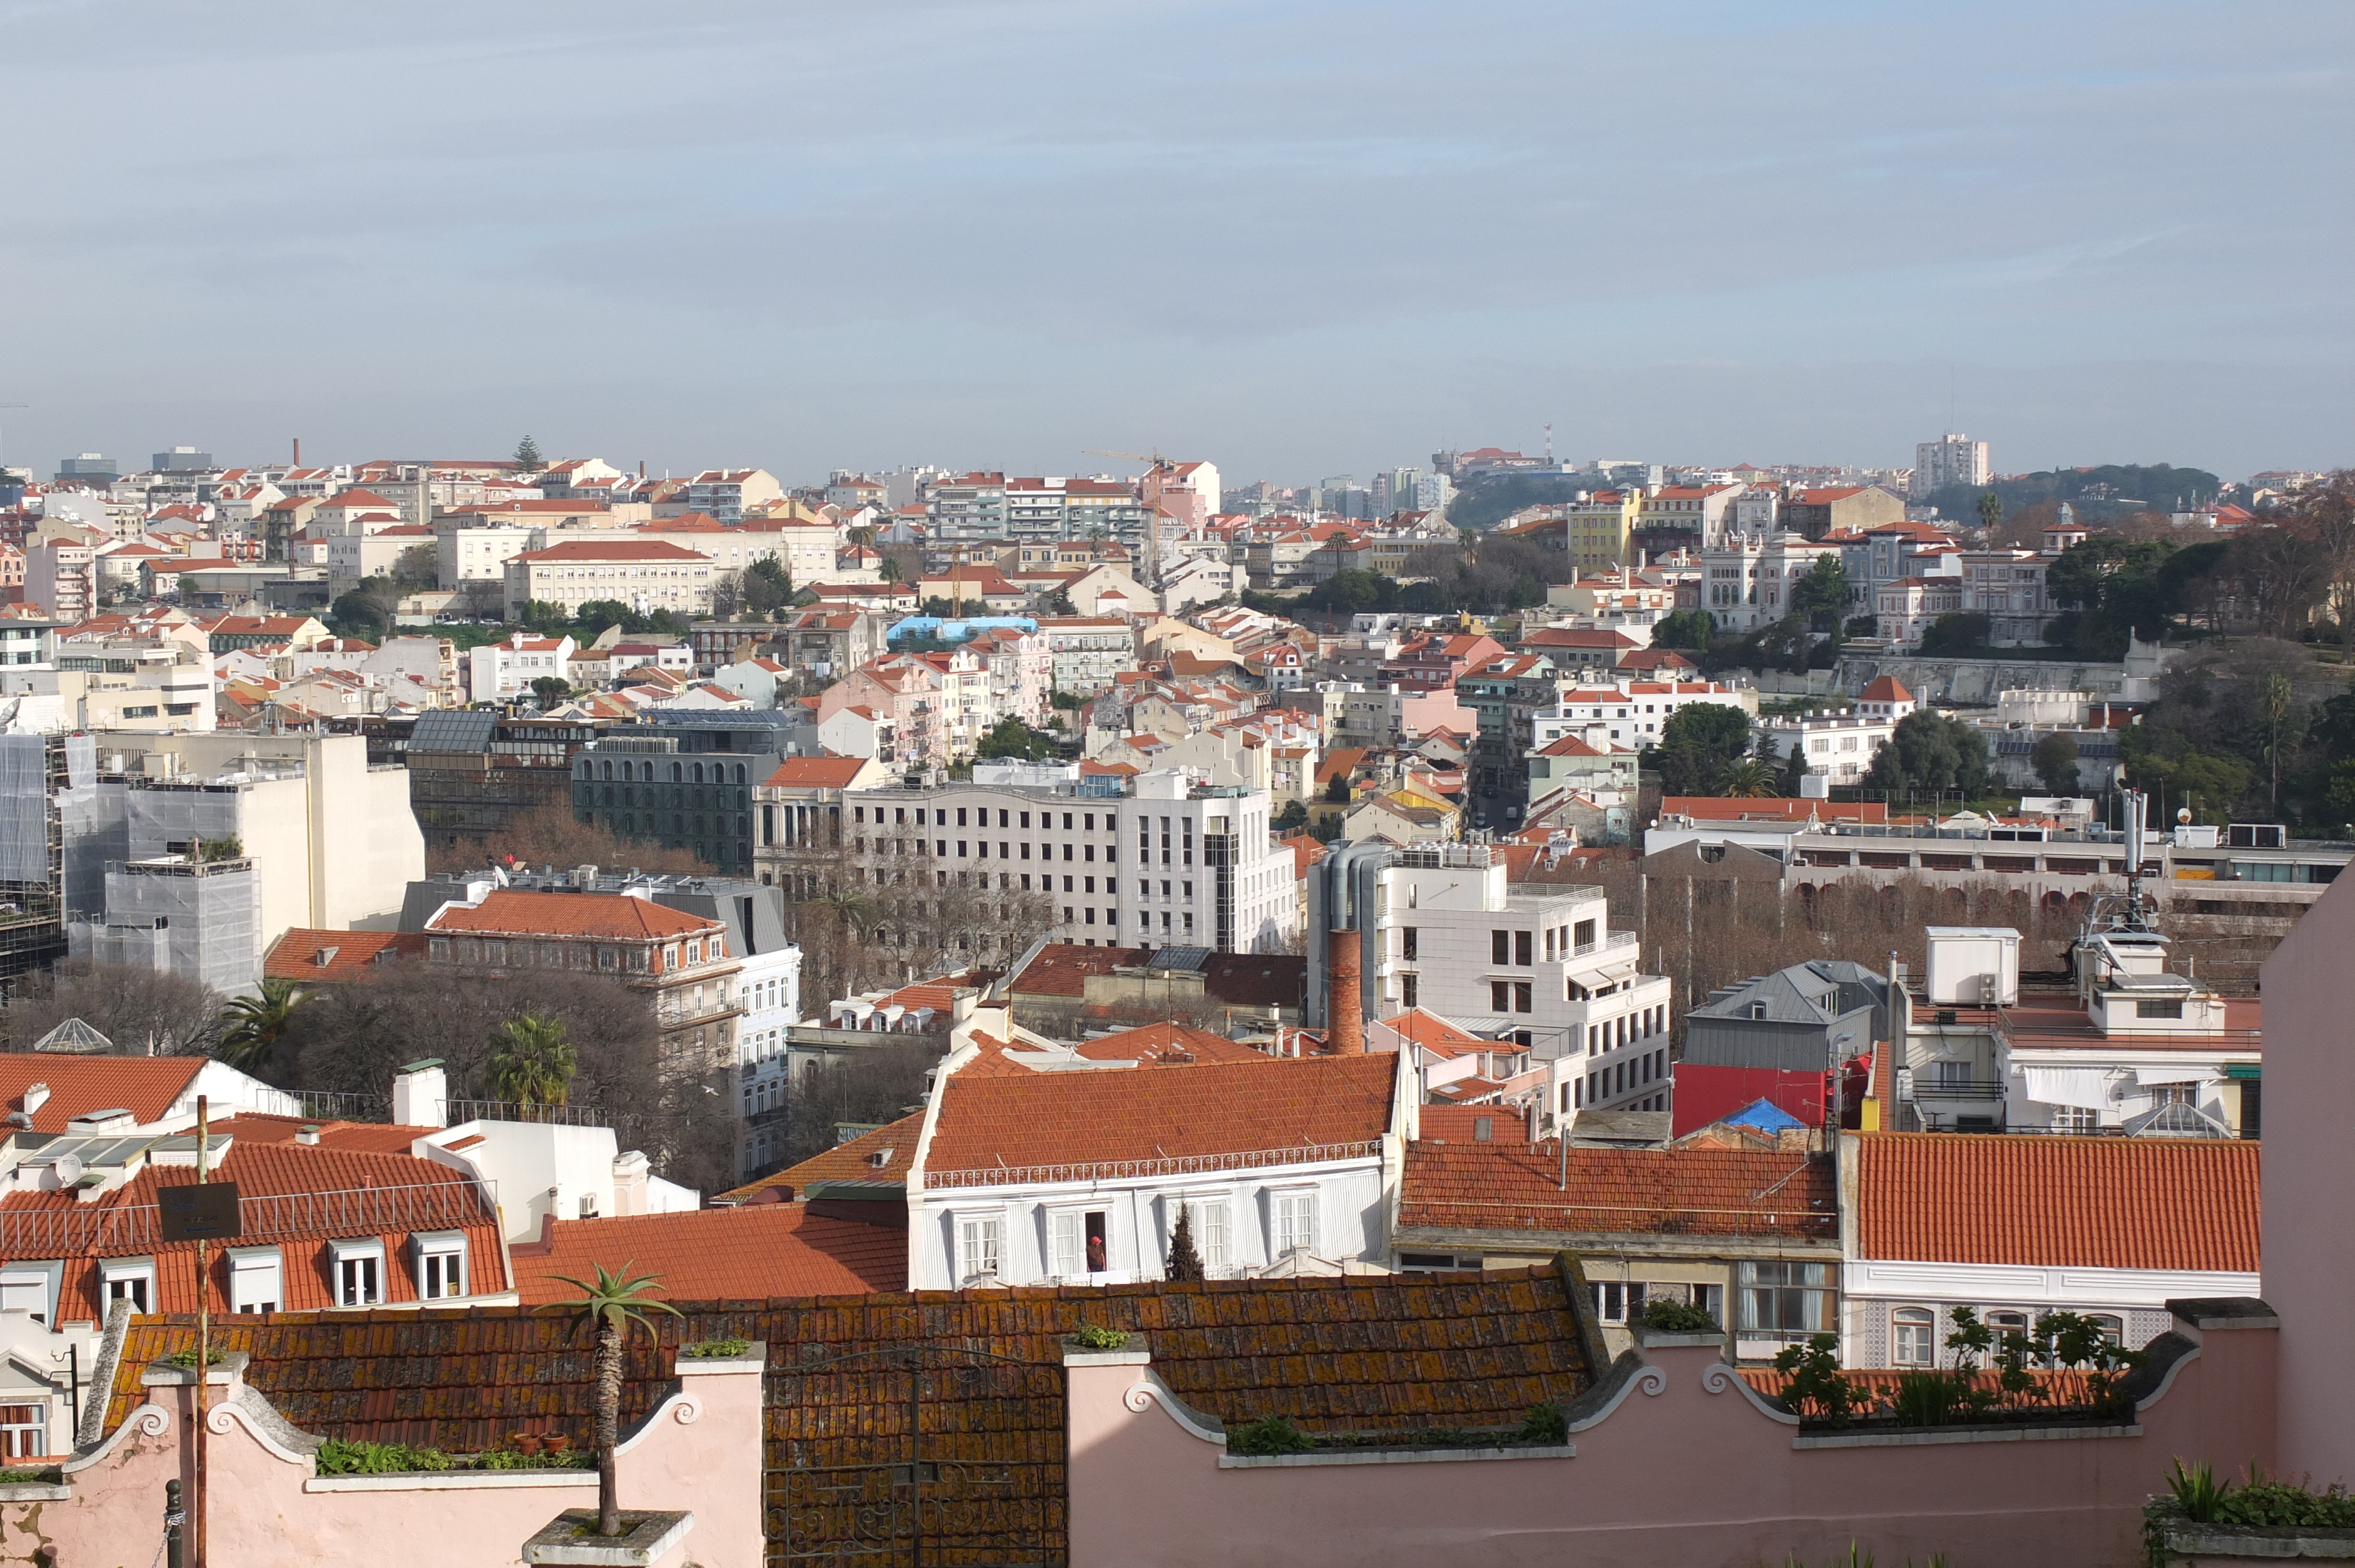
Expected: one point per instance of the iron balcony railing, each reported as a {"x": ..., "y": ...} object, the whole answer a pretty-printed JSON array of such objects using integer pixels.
[
  {"x": 1616, "y": 939},
  {"x": 124, "y": 1230},
  {"x": 457, "y": 1111},
  {"x": 1177, "y": 1165},
  {"x": 339, "y": 1105},
  {"x": 1958, "y": 1089}
]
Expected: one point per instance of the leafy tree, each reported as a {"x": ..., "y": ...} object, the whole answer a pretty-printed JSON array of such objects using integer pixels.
[
  {"x": 1822, "y": 594},
  {"x": 252, "y": 1026},
  {"x": 612, "y": 1304},
  {"x": 416, "y": 568},
  {"x": 1010, "y": 738},
  {"x": 1699, "y": 746},
  {"x": 2114, "y": 585},
  {"x": 1930, "y": 754},
  {"x": 2054, "y": 757},
  {"x": 2341, "y": 794},
  {"x": 1685, "y": 629},
  {"x": 1795, "y": 768},
  {"x": 1861, "y": 626},
  {"x": 526, "y": 456},
  {"x": 1336, "y": 789},
  {"x": 598, "y": 614},
  {"x": 767, "y": 587},
  {"x": 1057, "y": 603},
  {"x": 531, "y": 1060},
  {"x": 360, "y": 612},
  {"x": 551, "y": 690},
  {"x": 1294, "y": 815},
  {"x": 1959, "y": 633}
]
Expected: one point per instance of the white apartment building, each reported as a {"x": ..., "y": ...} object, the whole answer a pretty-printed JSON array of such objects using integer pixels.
[
  {"x": 502, "y": 671},
  {"x": 1953, "y": 459},
  {"x": 1838, "y": 747},
  {"x": 726, "y": 493},
  {"x": 1089, "y": 655},
  {"x": 769, "y": 992},
  {"x": 1173, "y": 863},
  {"x": 1906, "y": 608},
  {"x": 1704, "y": 509},
  {"x": 463, "y": 556},
  {"x": 1445, "y": 932},
  {"x": 1631, "y": 713},
  {"x": 1747, "y": 578},
  {"x": 645, "y": 576}
]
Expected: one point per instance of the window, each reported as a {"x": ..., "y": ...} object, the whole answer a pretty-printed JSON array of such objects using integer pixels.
[
  {"x": 1785, "y": 1300},
  {"x": 131, "y": 1280},
  {"x": 441, "y": 1266},
  {"x": 980, "y": 1240},
  {"x": 1296, "y": 1223},
  {"x": 2113, "y": 1328},
  {"x": 1616, "y": 1300},
  {"x": 2005, "y": 1320},
  {"x": 1501, "y": 948},
  {"x": 1500, "y": 995},
  {"x": 23, "y": 1431},
  {"x": 1912, "y": 1337},
  {"x": 1407, "y": 989},
  {"x": 359, "y": 1273},
  {"x": 25, "y": 1290},
  {"x": 256, "y": 1279},
  {"x": 1521, "y": 997},
  {"x": 1409, "y": 938},
  {"x": 2172, "y": 1008}
]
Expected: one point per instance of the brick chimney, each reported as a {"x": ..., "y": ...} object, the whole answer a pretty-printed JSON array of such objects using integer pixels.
[{"x": 1344, "y": 1007}]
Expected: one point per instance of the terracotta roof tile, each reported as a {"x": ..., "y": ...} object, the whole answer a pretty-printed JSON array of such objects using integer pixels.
[
  {"x": 1230, "y": 1109},
  {"x": 851, "y": 1161},
  {"x": 145, "y": 1086},
  {"x": 1518, "y": 1187},
  {"x": 754, "y": 1254},
  {"x": 2084, "y": 1202},
  {"x": 514, "y": 913},
  {"x": 304, "y": 954},
  {"x": 1167, "y": 1044}
]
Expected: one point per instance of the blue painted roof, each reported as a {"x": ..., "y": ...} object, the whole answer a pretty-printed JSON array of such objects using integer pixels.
[{"x": 1763, "y": 1115}]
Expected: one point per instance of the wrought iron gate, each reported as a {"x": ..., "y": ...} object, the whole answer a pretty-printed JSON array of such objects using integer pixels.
[{"x": 921, "y": 1456}]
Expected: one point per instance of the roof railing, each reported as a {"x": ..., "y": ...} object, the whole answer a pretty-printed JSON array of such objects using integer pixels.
[
  {"x": 1177, "y": 1165},
  {"x": 127, "y": 1230}
]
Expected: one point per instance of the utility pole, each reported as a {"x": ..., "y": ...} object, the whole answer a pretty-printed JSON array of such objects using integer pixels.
[{"x": 204, "y": 1321}]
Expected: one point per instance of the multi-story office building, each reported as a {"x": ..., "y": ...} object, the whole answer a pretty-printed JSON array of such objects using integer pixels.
[
  {"x": 1173, "y": 862},
  {"x": 1953, "y": 459},
  {"x": 969, "y": 508},
  {"x": 1087, "y": 655},
  {"x": 685, "y": 779},
  {"x": 1437, "y": 927}
]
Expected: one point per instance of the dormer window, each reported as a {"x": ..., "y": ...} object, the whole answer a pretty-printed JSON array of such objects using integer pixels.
[
  {"x": 131, "y": 1280},
  {"x": 441, "y": 1264},
  {"x": 358, "y": 1272}
]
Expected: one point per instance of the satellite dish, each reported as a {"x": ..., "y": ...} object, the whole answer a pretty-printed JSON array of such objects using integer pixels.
[{"x": 69, "y": 1169}]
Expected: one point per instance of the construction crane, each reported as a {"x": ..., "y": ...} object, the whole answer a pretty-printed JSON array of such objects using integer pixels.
[{"x": 1155, "y": 464}]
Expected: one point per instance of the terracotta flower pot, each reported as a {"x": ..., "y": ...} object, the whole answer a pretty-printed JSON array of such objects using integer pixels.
[{"x": 527, "y": 1443}]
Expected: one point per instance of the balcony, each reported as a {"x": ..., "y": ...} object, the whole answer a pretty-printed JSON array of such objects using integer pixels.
[{"x": 1983, "y": 1089}]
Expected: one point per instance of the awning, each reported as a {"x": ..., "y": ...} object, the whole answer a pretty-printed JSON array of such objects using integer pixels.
[
  {"x": 2188, "y": 1072},
  {"x": 2087, "y": 1087}
]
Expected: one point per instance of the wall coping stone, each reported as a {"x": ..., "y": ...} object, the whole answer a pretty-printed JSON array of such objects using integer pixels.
[
  {"x": 1134, "y": 1354},
  {"x": 1931, "y": 1435},
  {"x": 449, "y": 1481},
  {"x": 35, "y": 1491},
  {"x": 755, "y": 1359},
  {"x": 1396, "y": 1456},
  {"x": 2248, "y": 1540}
]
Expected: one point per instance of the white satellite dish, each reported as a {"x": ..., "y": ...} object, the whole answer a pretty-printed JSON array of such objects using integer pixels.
[{"x": 69, "y": 1169}]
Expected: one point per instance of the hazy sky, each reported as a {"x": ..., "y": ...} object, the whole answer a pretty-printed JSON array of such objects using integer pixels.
[{"x": 1298, "y": 237}]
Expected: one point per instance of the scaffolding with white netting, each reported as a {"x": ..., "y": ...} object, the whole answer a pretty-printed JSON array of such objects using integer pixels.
[
  {"x": 36, "y": 770},
  {"x": 200, "y": 920}
]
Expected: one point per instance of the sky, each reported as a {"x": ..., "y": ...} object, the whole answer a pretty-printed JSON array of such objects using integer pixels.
[{"x": 1297, "y": 237}]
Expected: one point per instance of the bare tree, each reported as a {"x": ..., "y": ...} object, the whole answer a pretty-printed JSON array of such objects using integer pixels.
[
  {"x": 144, "y": 1011},
  {"x": 552, "y": 835},
  {"x": 876, "y": 1084}
]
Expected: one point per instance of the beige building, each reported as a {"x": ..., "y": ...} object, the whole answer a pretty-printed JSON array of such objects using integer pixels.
[{"x": 645, "y": 576}]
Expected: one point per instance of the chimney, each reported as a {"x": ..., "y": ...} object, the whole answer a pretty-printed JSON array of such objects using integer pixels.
[
  {"x": 36, "y": 1097},
  {"x": 630, "y": 1182},
  {"x": 420, "y": 1094},
  {"x": 1344, "y": 1008},
  {"x": 298, "y": 452},
  {"x": 307, "y": 1133}
]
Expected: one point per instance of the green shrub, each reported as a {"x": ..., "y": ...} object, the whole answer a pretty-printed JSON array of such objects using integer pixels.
[
  {"x": 26, "y": 1476},
  {"x": 1544, "y": 1424},
  {"x": 713, "y": 1350},
  {"x": 187, "y": 1358},
  {"x": 1096, "y": 1337},
  {"x": 1269, "y": 1435},
  {"x": 337, "y": 1457},
  {"x": 510, "y": 1459},
  {"x": 1816, "y": 1386},
  {"x": 1677, "y": 1317}
]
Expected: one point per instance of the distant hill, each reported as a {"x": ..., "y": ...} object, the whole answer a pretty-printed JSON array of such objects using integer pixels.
[
  {"x": 2096, "y": 493},
  {"x": 1487, "y": 499}
]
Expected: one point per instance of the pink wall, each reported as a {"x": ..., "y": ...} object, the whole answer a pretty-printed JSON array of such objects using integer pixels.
[
  {"x": 1686, "y": 1470},
  {"x": 2309, "y": 1171},
  {"x": 700, "y": 1452}
]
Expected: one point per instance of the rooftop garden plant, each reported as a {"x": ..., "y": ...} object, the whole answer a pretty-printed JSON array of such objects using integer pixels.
[
  {"x": 2194, "y": 1496},
  {"x": 1096, "y": 1337},
  {"x": 1677, "y": 1317},
  {"x": 1269, "y": 1435},
  {"x": 713, "y": 1350}
]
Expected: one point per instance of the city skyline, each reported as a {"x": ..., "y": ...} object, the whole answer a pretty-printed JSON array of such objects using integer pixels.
[{"x": 1298, "y": 242}]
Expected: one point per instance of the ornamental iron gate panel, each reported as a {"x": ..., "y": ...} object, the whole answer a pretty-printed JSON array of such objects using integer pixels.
[{"x": 916, "y": 1456}]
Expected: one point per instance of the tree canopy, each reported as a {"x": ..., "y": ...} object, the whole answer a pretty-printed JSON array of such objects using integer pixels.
[
  {"x": 1698, "y": 748},
  {"x": 1930, "y": 754}
]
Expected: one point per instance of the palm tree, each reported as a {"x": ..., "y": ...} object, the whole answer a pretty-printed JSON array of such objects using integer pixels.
[
  {"x": 614, "y": 1303},
  {"x": 531, "y": 1060},
  {"x": 1749, "y": 779},
  {"x": 251, "y": 1025}
]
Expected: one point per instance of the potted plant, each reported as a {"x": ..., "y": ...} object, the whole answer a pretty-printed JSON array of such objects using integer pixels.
[{"x": 614, "y": 1304}]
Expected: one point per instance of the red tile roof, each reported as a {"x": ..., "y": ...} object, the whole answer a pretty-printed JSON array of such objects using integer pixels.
[
  {"x": 1236, "y": 1108},
  {"x": 1062, "y": 968},
  {"x": 1712, "y": 808},
  {"x": 304, "y": 954},
  {"x": 624, "y": 550},
  {"x": 816, "y": 772},
  {"x": 1167, "y": 1044},
  {"x": 433, "y": 1198},
  {"x": 1459, "y": 1124},
  {"x": 851, "y": 1161},
  {"x": 754, "y": 1254},
  {"x": 253, "y": 1128},
  {"x": 1518, "y": 1187},
  {"x": 508, "y": 912},
  {"x": 1887, "y": 689},
  {"x": 2082, "y": 1203},
  {"x": 145, "y": 1086}
]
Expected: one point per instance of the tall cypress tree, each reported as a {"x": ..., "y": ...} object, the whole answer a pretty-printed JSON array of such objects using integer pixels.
[{"x": 1185, "y": 1262}]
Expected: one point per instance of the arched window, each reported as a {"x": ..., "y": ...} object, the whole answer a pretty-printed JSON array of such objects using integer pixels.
[
  {"x": 676, "y": 773},
  {"x": 2113, "y": 1328},
  {"x": 1912, "y": 1337},
  {"x": 696, "y": 777},
  {"x": 739, "y": 773},
  {"x": 607, "y": 768}
]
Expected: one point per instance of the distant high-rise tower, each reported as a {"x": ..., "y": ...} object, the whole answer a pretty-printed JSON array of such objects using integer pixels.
[{"x": 1954, "y": 459}]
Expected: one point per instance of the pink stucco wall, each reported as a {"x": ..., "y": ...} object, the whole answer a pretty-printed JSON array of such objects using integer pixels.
[
  {"x": 1686, "y": 1470},
  {"x": 701, "y": 1453},
  {"x": 2308, "y": 1173}
]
